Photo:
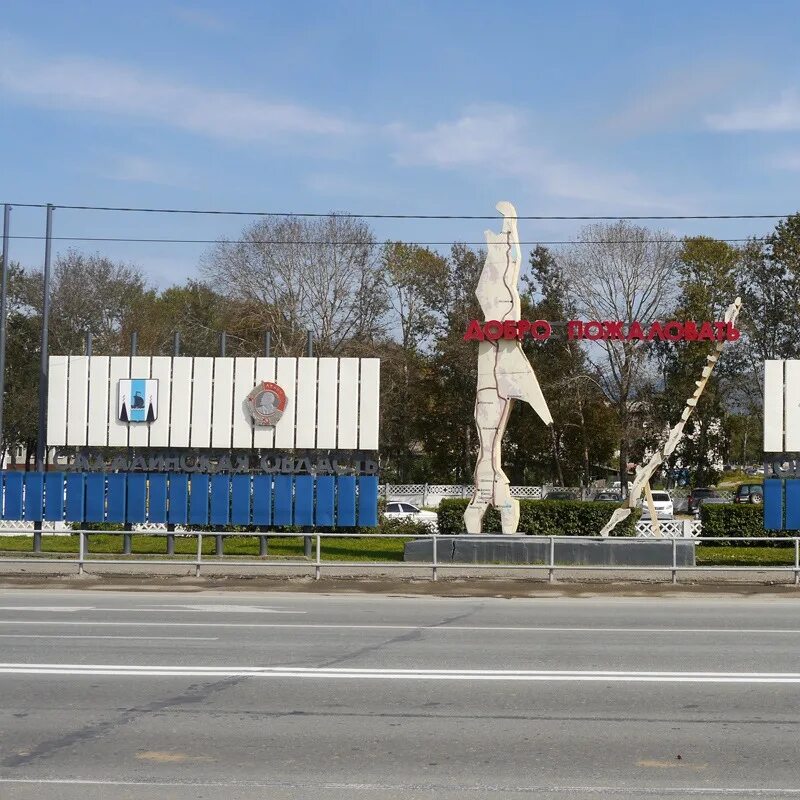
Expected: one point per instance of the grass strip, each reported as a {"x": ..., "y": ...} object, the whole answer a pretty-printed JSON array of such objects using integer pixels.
[{"x": 333, "y": 549}]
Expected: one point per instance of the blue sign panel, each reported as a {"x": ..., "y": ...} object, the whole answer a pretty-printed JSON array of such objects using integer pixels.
[{"x": 197, "y": 499}]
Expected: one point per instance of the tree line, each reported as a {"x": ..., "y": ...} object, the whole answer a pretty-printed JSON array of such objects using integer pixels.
[{"x": 612, "y": 400}]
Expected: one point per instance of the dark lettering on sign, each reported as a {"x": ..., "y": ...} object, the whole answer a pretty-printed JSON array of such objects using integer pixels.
[
  {"x": 89, "y": 460},
  {"x": 541, "y": 330}
]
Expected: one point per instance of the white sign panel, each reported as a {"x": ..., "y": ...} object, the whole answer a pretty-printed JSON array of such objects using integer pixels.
[
  {"x": 329, "y": 403},
  {"x": 781, "y": 406}
]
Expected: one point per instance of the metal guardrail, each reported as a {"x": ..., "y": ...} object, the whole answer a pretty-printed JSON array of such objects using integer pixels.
[{"x": 435, "y": 565}]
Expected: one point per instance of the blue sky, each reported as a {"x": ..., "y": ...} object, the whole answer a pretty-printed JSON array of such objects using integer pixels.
[{"x": 394, "y": 107}]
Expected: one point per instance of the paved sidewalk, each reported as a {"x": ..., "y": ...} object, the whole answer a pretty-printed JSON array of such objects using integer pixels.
[{"x": 460, "y": 581}]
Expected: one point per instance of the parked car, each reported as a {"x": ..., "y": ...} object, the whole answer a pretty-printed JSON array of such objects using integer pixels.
[
  {"x": 700, "y": 495},
  {"x": 608, "y": 497},
  {"x": 560, "y": 494},
  {"x": 412, "y": 513},
  {"x": 663, "y": 505},
  {"x": 749, "y": 493}
]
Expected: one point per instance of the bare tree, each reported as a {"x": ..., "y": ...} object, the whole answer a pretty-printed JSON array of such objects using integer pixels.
[
  {"x": 621, "y": 272},
  {"x": 90, "y": 294},
  {"x": 292, "y": 274}
]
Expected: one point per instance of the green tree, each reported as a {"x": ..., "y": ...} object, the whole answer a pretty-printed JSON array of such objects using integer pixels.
[
  {"x": 23, "y": 334},
  {"x": 582, "y": 435},
  {"x": 449, "y": 437},
  {"x": 708, "y": 271},
  {"x": 413, "y": 275},
  {"x": 770, "y": 288}
]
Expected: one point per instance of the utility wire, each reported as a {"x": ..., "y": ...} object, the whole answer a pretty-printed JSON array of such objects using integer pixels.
[
  {"x": 541, "y": 217},
  {"x": 365, "y": 244}
]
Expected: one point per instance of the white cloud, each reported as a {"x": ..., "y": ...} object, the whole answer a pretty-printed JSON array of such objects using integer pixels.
[
  {"x": 788, "y": 161},
  {"x": 672, "y": 97},
  {"x": 138, "y": 169},
  {"x": 780, "y": 115},
  {"x": 496, "y": 139},
  {"x": 93, "y": 85}
]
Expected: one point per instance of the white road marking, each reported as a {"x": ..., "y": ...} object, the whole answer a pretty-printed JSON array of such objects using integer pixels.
[
  {"x": 433, "y": 627},
  {"x": 109, "y": 636},
  {"x": 47, "y": 608},
  {"x": 160, "y": 609},
  {"x": 338, "y": 673},
  {"x": 223, "y": 609},
  {"x": 486, "y": 790}
]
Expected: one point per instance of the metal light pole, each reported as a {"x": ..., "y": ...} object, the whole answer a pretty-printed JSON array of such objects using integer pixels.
[
  {"x": 43, "y": 366},
  {"x": 3, "y": 309},
  {"x": 309, "y": 354},
  {"x": 43, "y": 363}
]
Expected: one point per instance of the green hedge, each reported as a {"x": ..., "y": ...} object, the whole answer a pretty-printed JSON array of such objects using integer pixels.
[
  {"x": 541, "y": 518},
  {"x": 400, "y": 526},
  {"x": 733, "y": 519}
]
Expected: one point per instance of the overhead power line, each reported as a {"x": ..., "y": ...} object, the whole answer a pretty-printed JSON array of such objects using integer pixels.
[
  {"x": 366, "y": 244},
  {"x": 540, "y": 217}
]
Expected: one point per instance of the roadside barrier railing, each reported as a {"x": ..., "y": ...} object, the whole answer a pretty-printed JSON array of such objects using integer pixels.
[{"x": 314, "y": 560}]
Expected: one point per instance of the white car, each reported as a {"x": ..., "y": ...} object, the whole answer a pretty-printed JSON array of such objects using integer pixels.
[
  {"x": 663, "y": 505},
  {"x": 412, "y": 513}
]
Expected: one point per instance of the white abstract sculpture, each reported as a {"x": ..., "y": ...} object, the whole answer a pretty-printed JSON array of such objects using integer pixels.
[
  {"x": 504, "y": 375},
  {"x": 641, "y": 482}
]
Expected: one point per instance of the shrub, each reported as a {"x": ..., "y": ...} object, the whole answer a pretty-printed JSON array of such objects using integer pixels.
[
  {"x": 406, "y": 527},
  {"x": 541, "y": 518},
  {"x": 100, "y": 527},
  {"x": 732, "y": 519}
]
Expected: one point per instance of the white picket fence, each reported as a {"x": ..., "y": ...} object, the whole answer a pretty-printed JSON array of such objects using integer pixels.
[
  {"x": 671, "y": 529},
  {"x": 26, "y": 526},
  {"x": 431, "y": 494}
]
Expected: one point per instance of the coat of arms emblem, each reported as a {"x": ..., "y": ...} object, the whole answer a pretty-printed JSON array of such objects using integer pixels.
[
  {"x": 137, "y": 400},
  {"x": 266, "y": 402}
]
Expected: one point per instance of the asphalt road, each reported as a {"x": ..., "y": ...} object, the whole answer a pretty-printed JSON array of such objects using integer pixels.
[{"x": 157, "y": 696}]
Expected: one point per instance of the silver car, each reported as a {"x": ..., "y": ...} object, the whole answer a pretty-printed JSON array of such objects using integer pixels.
[
  {"x": 663, "y": 505},
  {"x": 408, "y": 511}
]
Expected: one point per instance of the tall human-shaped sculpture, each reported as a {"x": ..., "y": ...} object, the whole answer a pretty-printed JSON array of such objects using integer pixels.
[
  {"x": 504, "y": 375},
  {"x": 641, "y": 481}
]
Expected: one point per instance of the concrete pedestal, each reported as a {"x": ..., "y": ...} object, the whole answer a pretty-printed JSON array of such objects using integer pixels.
[{"x": 568, "y": 550}]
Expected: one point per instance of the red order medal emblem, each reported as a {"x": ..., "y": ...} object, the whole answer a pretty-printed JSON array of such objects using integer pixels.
[{"x": 267, "y": 402}]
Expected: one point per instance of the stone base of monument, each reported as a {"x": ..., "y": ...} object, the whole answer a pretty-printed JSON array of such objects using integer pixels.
[{"x": 568, "y": 551}]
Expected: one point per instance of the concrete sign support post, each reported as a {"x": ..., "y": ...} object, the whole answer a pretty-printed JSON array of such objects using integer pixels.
[
  {"x": 504, "y": 375},
  {"x": 641, "y": 483}
]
